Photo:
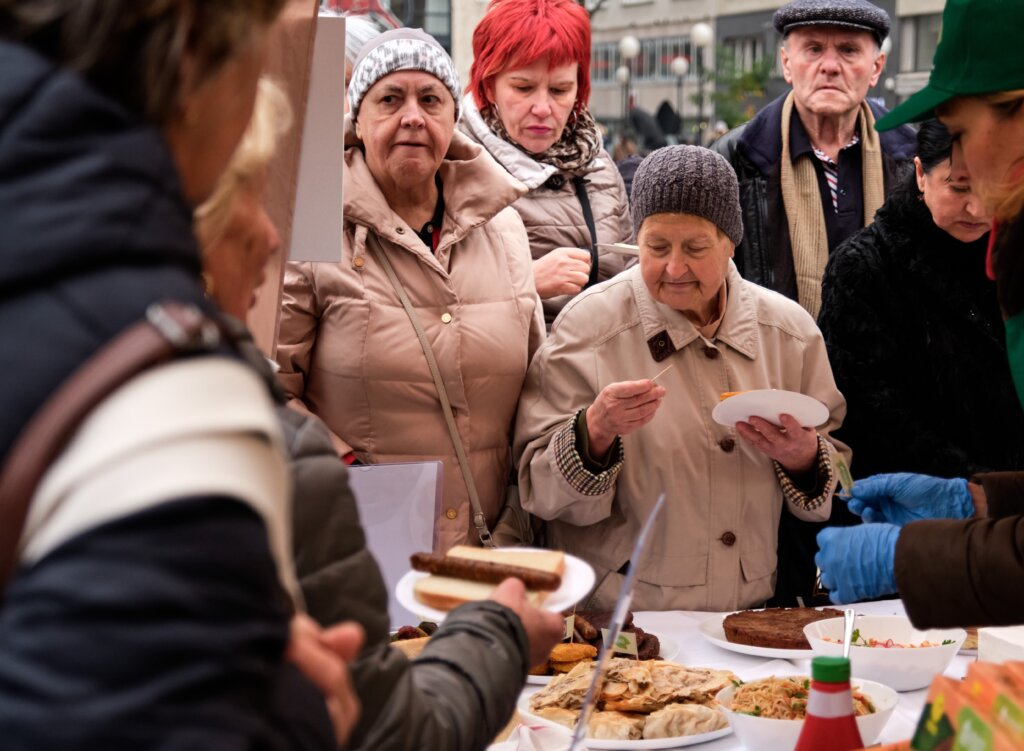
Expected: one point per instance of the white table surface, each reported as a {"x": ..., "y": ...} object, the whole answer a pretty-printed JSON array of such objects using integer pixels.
[{"x": 696, "y": 651}]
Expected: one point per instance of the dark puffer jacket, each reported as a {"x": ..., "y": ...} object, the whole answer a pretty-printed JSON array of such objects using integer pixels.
[
  {"x": 462, "y": 689},
  {"x": 163, "y": 628},
  {"x": 916, "y": 341},
  {"x": 754, "y": 150}
]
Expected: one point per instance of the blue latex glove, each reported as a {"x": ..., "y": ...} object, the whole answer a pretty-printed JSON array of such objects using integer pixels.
[
  {"x": 903, "y": 498},
  {"x": 857, "y": 563}
]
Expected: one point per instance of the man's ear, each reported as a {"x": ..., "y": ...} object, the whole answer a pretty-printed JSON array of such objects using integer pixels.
[
  {"x": 784, "y": 56},
  {"x": 879, "y": 67}
]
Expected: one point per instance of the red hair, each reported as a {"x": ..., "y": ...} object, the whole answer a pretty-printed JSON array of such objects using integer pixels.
[{"x": 517, "y": 33}]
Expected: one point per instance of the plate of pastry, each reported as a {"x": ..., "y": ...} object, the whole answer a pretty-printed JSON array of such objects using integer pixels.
[{"x": 644, "y": 704}]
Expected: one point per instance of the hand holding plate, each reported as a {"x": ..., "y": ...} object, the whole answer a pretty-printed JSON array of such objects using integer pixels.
[{"x": 792, "y": 446}]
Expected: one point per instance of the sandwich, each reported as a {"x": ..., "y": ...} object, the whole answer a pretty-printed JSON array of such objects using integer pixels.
[{"x": 468, "y": 574}]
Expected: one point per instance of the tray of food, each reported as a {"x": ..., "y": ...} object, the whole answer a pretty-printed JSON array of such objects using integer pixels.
[
  {"x": 437, "y": 584},
  {"x": 644, "y": 704},
  {"x": 772, "y": 632},
  {"x": 586, "y": 640}
]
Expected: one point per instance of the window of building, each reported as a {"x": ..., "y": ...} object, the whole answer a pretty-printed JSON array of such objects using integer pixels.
[
  {"x": 926, "y": 39},
  {"x": 746, "y": 51},
  {"x": 654, "y": 63}
]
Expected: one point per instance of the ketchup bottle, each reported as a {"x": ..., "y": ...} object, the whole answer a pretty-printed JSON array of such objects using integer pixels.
[{"x": 830, "y": 724}]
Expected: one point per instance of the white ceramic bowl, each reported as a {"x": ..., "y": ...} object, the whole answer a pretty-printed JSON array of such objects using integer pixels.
[
  {"x": 904, "y": 669},
  {"x": 767, "y": 734}
]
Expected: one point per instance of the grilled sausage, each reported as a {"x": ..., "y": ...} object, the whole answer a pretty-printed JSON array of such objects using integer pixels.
[{"x": 484, "y": 571}]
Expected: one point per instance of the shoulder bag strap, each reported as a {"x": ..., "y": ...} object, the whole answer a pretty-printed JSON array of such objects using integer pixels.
[
  {"x": 169, "y": 328},
  {"x": 580, "y": 183},
  {"x": 479, "y": 520}
]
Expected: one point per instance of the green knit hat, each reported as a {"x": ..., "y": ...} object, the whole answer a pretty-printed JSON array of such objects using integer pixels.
[{"x": 979, "y": 53}]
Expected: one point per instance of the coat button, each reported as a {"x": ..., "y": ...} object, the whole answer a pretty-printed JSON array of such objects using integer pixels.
[
  {"x": 451, "y": 513},
  {"x": 358, "y": 262},
  {"x": 727, "y": 445},
  {"x": 400, "y": 230},
  {"x": 728, "y": 539},
  {"x": 710, "y": 352},
  {"x": 446, "y": 318}
]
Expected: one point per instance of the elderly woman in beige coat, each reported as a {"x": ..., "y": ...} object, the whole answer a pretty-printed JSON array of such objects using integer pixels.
[
  {"x": 437, "y": 207},
  {"x": 598, "y": 440}
]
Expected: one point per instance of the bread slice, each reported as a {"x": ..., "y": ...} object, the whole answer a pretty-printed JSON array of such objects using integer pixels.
[
  {"x": 445, "y": 592},
  {"x": 541, "y": 560}
]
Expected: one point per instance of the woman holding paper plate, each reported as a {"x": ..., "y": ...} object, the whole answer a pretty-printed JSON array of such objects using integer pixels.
[
  {"x": 434, "y": 260},
  {"x": 527, "y": 106},
  {"x": 598, "y": 438}
]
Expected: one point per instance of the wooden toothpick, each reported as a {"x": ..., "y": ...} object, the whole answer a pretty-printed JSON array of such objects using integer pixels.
[{"x": 671, "y": 365}]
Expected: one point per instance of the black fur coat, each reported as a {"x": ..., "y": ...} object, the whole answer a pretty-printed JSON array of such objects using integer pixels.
[{"x": 916, "y": 342}]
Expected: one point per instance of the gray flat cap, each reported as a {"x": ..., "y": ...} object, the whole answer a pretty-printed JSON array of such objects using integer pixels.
[{"x": 855, "y": 14}]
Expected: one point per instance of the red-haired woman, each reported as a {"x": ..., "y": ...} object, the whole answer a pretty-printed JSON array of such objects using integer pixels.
[{"x": 527, "y": 106}]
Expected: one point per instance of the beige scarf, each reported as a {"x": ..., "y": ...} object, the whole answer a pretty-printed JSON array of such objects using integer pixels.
[{"x": 802, "y": 200}]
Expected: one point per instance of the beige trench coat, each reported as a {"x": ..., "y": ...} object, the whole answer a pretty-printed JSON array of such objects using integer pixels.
[
  {"x": 714, "y": 547},
  {"x": 553, "y": 216},
  {"x": 348, "y": 351}
]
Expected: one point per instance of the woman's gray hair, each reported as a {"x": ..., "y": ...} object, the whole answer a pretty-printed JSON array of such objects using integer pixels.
[
  {"x": 358, "y": 31},
  {"x": 133, "y": 50}
]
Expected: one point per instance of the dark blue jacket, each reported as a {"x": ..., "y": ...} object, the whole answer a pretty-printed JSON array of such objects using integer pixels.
[
  {"x": 754, "y": 149},
  {"x": 163, "y": 629}
]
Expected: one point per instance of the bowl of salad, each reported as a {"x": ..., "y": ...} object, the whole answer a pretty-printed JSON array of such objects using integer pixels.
[{"x": 888, "y": 649}]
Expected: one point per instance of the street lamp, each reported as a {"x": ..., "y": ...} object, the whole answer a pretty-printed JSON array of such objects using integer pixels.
[
  {"x": 622, "y": 76},
  {"x": 702, "y": 35},
  {"x": 629, "y": 48},
  {"x": 680, "y": 66}
]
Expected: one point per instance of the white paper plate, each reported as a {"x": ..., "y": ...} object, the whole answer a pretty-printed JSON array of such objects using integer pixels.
[
  {"x": 769, "y": 404},
  {"x": 593, "y": 743},
  {"x": 577, "y": 581},
  {"x": 712, "y": 630},
  {"x": 669, "y": 650}
]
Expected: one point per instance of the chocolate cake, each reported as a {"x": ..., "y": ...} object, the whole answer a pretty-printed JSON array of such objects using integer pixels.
[{"x": 777, "y": 628}]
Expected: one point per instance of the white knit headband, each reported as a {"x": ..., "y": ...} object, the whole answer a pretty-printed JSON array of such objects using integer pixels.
[{"x": 403, "y": 54}]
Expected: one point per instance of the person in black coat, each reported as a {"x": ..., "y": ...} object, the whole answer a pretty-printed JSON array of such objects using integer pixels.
[
  {"x": 148, "y": 605},
  {"x": 954, "y": 549},
  {"x": 914, "y": 332}
]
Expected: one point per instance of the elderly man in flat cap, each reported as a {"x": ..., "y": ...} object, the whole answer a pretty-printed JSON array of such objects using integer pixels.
[{"x": 811, "y": 166}]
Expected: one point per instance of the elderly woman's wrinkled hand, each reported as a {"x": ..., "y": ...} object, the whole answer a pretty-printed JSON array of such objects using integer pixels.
[
  {"x": 792, "y": 446},
  {"x": 620, "y": 409},
  {"x": 563, "y": 271}
]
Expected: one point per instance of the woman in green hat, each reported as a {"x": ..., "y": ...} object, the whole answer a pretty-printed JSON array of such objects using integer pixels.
[{"x": 947, "y": 570}]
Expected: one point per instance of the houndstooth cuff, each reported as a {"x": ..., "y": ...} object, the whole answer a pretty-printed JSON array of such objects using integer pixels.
[
  {"x": 824, "y": 481},
  {"x": 575, "y": 472}
]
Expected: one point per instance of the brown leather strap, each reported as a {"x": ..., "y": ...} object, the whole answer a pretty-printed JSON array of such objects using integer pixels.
[{"x": 169, "y": 329}]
